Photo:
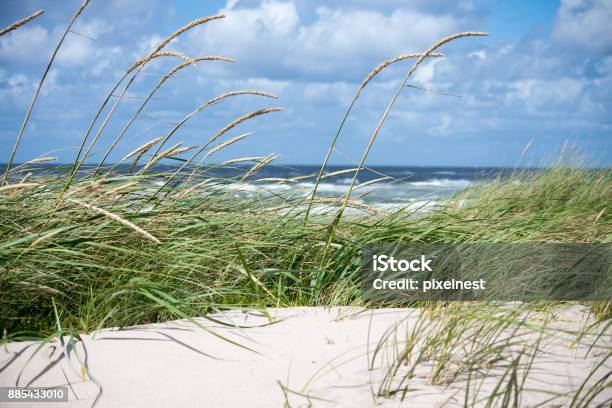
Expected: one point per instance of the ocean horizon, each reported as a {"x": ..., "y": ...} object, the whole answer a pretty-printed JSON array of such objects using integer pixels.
[{"x": 385, "y": 187}]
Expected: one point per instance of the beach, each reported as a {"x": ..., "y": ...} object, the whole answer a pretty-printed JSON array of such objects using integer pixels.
[{"x": 321, "y": 356}]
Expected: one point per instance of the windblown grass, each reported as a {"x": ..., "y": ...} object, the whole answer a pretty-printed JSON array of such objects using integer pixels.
[
  {"x": 213, "y": 245},
  {"x": 490, "y": 354},
  {"x": 40, "y": 84},
  {"x": 21, "y": 22}
]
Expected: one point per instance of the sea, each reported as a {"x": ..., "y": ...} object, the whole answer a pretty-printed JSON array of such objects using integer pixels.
[{"x": 383, "y": 187}]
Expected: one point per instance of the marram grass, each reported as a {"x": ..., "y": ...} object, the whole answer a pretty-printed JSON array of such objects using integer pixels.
[{"x": 216, "y": 250}]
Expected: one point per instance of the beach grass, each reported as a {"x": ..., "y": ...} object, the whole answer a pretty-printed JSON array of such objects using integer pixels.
[{"x": 112, "y": 240}]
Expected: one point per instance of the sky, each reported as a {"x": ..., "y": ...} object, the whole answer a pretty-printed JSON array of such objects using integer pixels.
[{"x": 543, "y": 78}]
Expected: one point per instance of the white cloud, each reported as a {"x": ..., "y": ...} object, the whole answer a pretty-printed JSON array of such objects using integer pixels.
[
  {"x": 443, "y": 128},
  {"x": 252, "y": 32},
  {"x": 17, "y": 80},
  {"x": 586, "y": 24},
  {"x": 324, "y": 92},
  {"x": 29, "y": 44},
  {"x": 147, "y": 44},
  {"x": 83, "y": 49},
  {"x": 17, "y": 89},
  {"x": 104, "y": 60},
  {"x": 337, "y": 37},
  {"x": 426, "y": 71},
  {"x": 481, "y": 55},
  {"x": 604, "y": 66},
  {"x": 270, "y": 37},
  {"x": 33, "y": 45},
  {"x": 545, "y": 95}
]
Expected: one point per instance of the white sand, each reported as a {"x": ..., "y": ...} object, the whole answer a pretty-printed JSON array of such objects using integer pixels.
[{"x": 320, "y": 352}]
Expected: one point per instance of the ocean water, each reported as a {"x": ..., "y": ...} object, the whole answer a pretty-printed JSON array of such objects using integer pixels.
[
  {"x": 383, "y": 187},
  {"x": 414, "y": 186}
]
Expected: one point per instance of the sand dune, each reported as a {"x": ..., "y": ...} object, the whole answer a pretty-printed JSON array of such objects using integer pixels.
[{"x": 321, "y": 353}]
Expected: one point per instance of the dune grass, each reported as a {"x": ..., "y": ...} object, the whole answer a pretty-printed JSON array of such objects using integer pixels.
[
  {"x": 99, "y": 254},
  {"x": 492, "y": 354}
]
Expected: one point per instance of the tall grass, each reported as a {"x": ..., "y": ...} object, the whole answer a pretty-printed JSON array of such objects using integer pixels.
[
  {"x": 491, "y": 354},
  {"x": 40, "y": 84},
  {"x": 213, "y": 246},
  {"x": 21, "y": 22}
]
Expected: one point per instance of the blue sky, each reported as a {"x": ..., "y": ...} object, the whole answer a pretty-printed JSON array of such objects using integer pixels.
[{"x": 544, "y": 75}]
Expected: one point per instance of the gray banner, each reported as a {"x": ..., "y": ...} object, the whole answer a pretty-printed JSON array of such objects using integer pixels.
[
  {"x": 487, "y": 271},
  {"x": 33, "y": 394}
]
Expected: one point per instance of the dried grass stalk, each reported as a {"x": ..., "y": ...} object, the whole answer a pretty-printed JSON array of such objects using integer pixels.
[
  {"x": 210, "y": 102},
  {"x": 160, "y": 83},
  {"x": 18, "y": 186},
  {"x": 103, "y": 126},
  {"x": 367, "y": 183},
  {"x": 350, "y": 203},
  {"x": 21, "y": 22},
  {"x": 242, "y": 160},
  {"x": 259, "y": 165},
  {"x": 183, "y": 150},
  {"x": 120, "y": 188},
  {"x": 168, "y": 152},
  {"x": 38, "y": 88},
  {"x": 193, "y": 61},
  {"x": 304, "y": 177},
  {"x": 219, "y": 98},
  {"x": 390, "y": 106},
  {"x": 388, "y": 62},
  {"x": 339, "y": 172},
  {"x": 94, "y": 186},
  {"x": 143, "y": 148},
  {"x": 363, "y": 84},
  {"x": 117, "y": 218},
  {"x": 26, "y": 177},
  {"x": 337, "y": 202},
  {"x": 188, "y": 61},
  {"x": 226, "y": 143},
  {"x": 241, "y": 119},
  {"x": 175, "y": 34},
  {"x": 45, "y": 159},
  {"x": 189, "y": 190},
  {"x": 195, "y": 23},
  {"x": 158, "y": 55},
  {"x": 46, "y": 237},
  {"x": 275, "y": 180},
  {"x": 440, "y": 43},
  {"x": 216, "y": 136}
]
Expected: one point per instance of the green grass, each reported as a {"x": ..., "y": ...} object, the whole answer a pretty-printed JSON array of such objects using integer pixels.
[
  {"x": 219, "y": 251},
  {"x": 490, "y": 354}
]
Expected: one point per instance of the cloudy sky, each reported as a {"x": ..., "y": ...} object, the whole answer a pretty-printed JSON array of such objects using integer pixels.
[{"x": 544, "y": 74}]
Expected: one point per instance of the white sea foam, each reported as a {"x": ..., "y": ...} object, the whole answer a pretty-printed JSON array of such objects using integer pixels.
[
  {"x": 347, "y": 180},
  {"x": 324, "y": 187},
  {"x": 326, "y": 209},
  {"x": 418, "y": 196},
  {"x": 444, "y": 183}
]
